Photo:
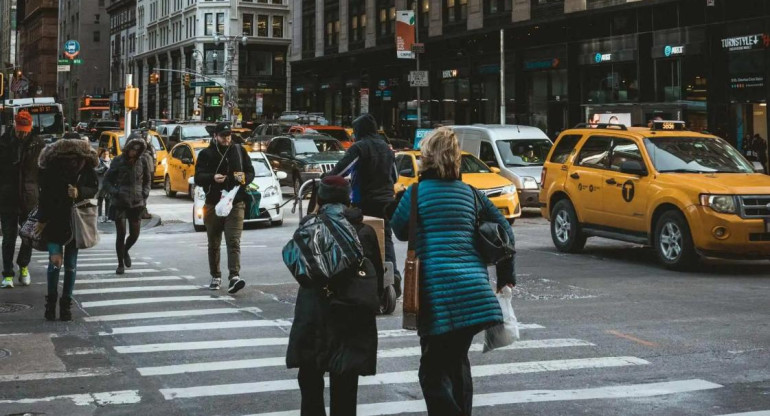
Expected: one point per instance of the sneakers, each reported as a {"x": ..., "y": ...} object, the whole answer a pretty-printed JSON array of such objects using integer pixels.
[
  {"x": 236, "y": 284},
  {"x": 7, "y": 283},
  {"x": 216, "y": 283},
  {"x": 120, "y": 270},
  {"x": 24, "y": 278},
  {"x": 127, "y": 260}
]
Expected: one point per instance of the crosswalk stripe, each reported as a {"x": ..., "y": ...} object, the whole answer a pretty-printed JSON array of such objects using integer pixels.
[
  {"x": 536, "y": 396},
  {"x": 84, "y": 372},
  {"x": 397, "y": 333},
  {"x": 392, "y": 353},
  {"x": 82, "y": 261},
  {"x": 110, "y": 271},
  {"x": 757, "y": 413},
  {"x": 142, "y": 301},
  {"x": 127, "y": 279},
  {"x": 80, "y": 255},
  {"x": 406, "y": 377},
  {"x": 87, "y": 399},
  {"x": 102, "y": 291},
  {"x": 256, "y": 323},
  {"x": 113, "y": 264},
  {"x": 168, "y": 314}
]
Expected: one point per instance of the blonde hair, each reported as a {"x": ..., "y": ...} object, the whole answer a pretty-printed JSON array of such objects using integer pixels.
[{"x": 441, "y": 153}]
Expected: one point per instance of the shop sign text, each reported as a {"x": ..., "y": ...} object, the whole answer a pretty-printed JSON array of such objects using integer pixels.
[
  {"x": 602, "y": 57},
  {"x": 745, "y": 43},
  {"x": 673, "y": 50}
]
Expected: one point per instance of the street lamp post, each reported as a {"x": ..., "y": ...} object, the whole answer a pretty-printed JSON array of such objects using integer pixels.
[{"x": 230, "y": 89}]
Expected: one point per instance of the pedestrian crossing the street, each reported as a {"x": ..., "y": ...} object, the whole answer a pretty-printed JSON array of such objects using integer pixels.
[{"x": 194, "y": 346}]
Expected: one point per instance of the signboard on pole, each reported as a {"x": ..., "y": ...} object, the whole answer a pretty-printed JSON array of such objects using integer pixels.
[
  {"x": 405, "y": 34},
  {"x": 418, "y": 78},
  {"x": 71, "y": 49},
  {"x": 260, "y": 103},
  {"x": 364, "y": 100},
  {"x": 62, "y": 68}
]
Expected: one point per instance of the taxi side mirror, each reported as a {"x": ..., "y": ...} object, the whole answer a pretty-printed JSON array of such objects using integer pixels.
[
  {"x": 281, "y": 175},
  {"x": 494, "y": 169},
  {"x": 758, "y": 168},
  {"x": 633, "y": 167}
]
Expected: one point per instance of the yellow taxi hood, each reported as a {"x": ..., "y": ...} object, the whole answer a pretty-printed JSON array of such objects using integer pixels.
[
  {"x": 485, "y": 180},
  {"x": 726, "y": 183}
]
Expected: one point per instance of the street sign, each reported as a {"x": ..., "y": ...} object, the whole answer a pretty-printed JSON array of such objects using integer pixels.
[
  {"x": 203, "y": 84},
  {"x": 418, "y": 78},
  {"x": 71, "y": 49},
  {"x": 418, "y": 48},
  {"x": 62, "y": 68}
]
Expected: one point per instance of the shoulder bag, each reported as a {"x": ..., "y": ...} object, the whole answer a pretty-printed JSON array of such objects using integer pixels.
[
  {"x": 84, "y": 229},
  {"x": 492, "y": 241},
  {"x": 412, "y": 270},
  {"x": 28, "y": 232}
]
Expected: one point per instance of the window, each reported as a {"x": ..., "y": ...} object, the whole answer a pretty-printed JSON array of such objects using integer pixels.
[
  {"x": 357, "y": 21},
  {"x": 564, "y": 148},
  {"x": 386, "y": 18},
  {"x": 262, "y": 25},
  {"x": 624, "y": 150},
  {"x": 487, "y": 154},
  {"x": 248, "y": 24},
  {"x": 405, "y": 166},
  {"x": 332, "y": 28},
  {"x": 595, "y": 153},
  {"x": 97, "y": 36},
  {"x": 277, "y": 26},
  {"x": 220, "y": 23},
  {"x": 209, "y": 29},
  {"x": 96, "y": 18}
]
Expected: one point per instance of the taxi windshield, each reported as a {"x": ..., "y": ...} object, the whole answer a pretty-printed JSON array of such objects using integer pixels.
[
  {"x": 524, "y": 152},
  {"x": 195, "y": 132},
  {"x": 695, "y": 155},
  {"x": 468, "y": 164}
]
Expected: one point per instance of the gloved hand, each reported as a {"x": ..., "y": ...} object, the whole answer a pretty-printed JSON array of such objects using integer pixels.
[{"x": 506, "y": 274}]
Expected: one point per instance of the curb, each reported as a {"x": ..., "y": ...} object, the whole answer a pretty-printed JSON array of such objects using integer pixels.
[{"x": 155, "y": 221}]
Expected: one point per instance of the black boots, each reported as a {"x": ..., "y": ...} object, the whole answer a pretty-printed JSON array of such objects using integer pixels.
[
  {"x": 50, "y": 308},
  {"x": 64, "y": 309}
]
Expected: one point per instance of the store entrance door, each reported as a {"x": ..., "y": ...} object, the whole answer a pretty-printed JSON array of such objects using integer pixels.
[{"x": 751, "y": 130}]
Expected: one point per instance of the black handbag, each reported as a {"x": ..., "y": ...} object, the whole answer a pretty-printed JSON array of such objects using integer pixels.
[{"x": 492, "y": 241}]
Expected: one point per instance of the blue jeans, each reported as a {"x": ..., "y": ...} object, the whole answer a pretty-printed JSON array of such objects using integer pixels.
[{"x": 70, "y": 264}]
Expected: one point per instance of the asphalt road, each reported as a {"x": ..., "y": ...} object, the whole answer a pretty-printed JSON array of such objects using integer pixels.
[{"x": 605, "y": 332}]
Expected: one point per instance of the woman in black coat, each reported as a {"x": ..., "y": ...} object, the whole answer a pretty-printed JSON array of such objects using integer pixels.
[
  {"x": 339, "y": 339},
  {"x": 67, "y": 176},
  {"x": 128, "y": 181}
]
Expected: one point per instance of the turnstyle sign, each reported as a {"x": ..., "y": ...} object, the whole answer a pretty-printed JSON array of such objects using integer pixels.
[{"x": 418, "y": 78}]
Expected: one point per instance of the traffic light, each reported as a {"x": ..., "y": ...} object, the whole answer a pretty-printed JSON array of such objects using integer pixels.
[
  {"x": 187, "y": 80},
  {"x": 154, "y": 77},
  {"x": 132, "y": 99},
  {"x": 200, "y": 101}
]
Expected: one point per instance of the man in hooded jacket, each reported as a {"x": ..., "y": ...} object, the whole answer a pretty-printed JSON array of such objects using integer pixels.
[
  {"x": 372, "y": 166},
  {"x": 20, "y": 149}
]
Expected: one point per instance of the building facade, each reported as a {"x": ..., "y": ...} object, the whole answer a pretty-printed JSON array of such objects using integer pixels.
[
  {"x": 123, "y": 49},
  {"x": 175, "y": 37},
  {"x": 706, "y": 62},
  {"x": 37, "y": 38},
  {"x": 7, "y": 36},
  {"x": 87, "y": 22}
]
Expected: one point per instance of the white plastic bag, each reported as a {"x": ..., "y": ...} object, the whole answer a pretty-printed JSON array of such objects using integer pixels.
[
  {"x": 225, "y": 204},
  {"x": 506, "y": 333}
]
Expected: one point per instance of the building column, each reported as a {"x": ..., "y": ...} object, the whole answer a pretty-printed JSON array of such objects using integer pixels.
[
  {"x": 144, "y": 89},
  {"x": 436, "y": 26},
  {"x": 522, "y": 10},
  {"x": 344, "y": 25},
  {"x": 170, "y": 86},
  {"x": 475, "y": 14},
  {"x": 571, "y": 6},
  {"x": 199, "y": 68},
  {"x": 319, "y": 28},
  {"x": 296, "y": 34},
  {"x": 183, "y": 96},
  {"x": 371, "y": 24}
]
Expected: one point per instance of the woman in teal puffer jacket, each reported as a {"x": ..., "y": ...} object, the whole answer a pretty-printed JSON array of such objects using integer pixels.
[{"x": 456, "y": 298}]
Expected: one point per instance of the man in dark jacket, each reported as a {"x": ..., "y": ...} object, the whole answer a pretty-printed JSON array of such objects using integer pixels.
[
  {"x": 19, "y": 153},
  {"x": 372, "y": 165},
  {"x": 221, "y": 167}
]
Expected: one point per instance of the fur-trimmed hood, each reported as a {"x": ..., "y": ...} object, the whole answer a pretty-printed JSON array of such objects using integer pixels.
[
  {"x": 135, "y": 140},
  {"x": 65, "y": 148}
]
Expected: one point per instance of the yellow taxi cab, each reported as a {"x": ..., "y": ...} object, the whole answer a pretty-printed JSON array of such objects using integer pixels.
[
  {"x": 684, "y": 193},
  {"x": 500, "y": 190},
  {"x": 244, "y": 133},
  {"x": 180, "y": 167},
  {"x": 114, "y": 140}
]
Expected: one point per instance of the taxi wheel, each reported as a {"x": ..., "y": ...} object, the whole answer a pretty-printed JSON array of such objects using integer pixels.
[
  {"x": 565, "y": 229},
  {"x": 673, "y": 242},
  {"x": 167, "y": 187}
]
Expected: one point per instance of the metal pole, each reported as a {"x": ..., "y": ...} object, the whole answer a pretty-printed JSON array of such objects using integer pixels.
[
  {"x": 502, "y": 77},
  {"x": 127, "y": 122},
  {"x": 417, "y": 40}
]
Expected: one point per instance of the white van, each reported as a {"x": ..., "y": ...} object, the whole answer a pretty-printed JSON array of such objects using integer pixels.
[{"x": 518, "y": 151}]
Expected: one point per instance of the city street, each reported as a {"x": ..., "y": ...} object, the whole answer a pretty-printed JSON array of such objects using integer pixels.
[{"x": 605, "y": 332}]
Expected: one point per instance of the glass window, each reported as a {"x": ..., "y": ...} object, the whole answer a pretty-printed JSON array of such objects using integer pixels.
[
  {"x": 261, "y": 168},
  {"x": 405, "y": 166},
  {"x": 469, "y": 164},
  {"x": 695, "y": 155},
  {"x": 277, "y": 26},
  {"x": 177, "y": 153},
  {"x": 262, "y": 25},
  {"x": 524, "y": 152},
  {"x": 487, "y": 154},
  {"x": 610, "y": 83},
  {"x": 209, "y": 29},
  {"x": 248, "y": 24},
  {"x": 97, "y": 36},
  {"x": 595, "y": 153},
  {"x": 220, "y": 23},
  {"x": 564, "y": 148},
  {"x": 624, "y": 151},
  {"x": 450, "y": 11},
  {"x": 668, "y": 74}
]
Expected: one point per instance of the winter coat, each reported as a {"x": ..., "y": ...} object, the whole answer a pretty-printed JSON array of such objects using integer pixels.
[
  {"x": 58, "y": 169},
  {"x": 455, "y": 292},
  {"x": 334, "y": 338},
  {"x": 217, "y": 159},
  {"x": 129, "y": 183},
  {"x": 19, "y": 173},
  {"x": 101, "y": 171},
  {"x": 371, "y": 163}
]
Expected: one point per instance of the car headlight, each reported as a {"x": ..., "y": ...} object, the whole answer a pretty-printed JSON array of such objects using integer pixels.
[
  {"x": 529, "y": 182},
  {"x": 313, "y": 168},
  {"x": 270, "y": 192},
  {"x": 164, "y": 162},
  {"x": 724, "y": 204},
  {"x": 510, "y": 189}
]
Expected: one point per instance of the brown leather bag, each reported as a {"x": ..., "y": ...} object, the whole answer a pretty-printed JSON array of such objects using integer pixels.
[{"x": 412, "y": 270}]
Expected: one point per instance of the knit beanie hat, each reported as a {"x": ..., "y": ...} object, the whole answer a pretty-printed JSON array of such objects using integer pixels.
[
  {"x": 334, "y": 190},
  {"x": 23, "y": 122}
]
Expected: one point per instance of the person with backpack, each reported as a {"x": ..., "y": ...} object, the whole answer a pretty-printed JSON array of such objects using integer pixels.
[
  {"x": 128, "y": 180},
  {"x": 67, "y": 176},
  {"x": 328, "y": 334},
  {"x": 221, "y": 167}
]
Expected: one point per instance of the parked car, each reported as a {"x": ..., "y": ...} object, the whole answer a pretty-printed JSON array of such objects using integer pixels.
[
  {"x": 684, "y": 193},
  {"x": 96, "y": 130},
  {"x": 265, "y": 180},
  {"x": 82, "y": 127},
  {"x": 165, "y": 131},
  {"x": 518, "y": 151},
  {"x": 337, "y": 132},
  {"x": 304, "y": 157},
  {"x": 114, "y": 141},
  {"x": 264, "y": 133},
  {"x": 180, "y": 166},
  {"x": 184, "y": 132}
]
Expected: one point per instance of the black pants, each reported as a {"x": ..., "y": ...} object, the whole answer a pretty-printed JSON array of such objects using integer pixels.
[
  {"x": 445, "y": 373},
  {"x": 123, "y": 244},
  {"x": 344, "y": 393},
  {"x": 10, "y": 226},
  {"x": 377, "y": 209}
]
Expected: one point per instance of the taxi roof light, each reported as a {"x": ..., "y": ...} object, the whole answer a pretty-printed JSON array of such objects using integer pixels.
[{"x": 668, "y": 125}]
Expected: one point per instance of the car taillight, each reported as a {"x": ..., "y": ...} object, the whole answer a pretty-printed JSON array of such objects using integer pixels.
[
  {"x": 93, "y": 130},
  {"x": 542, "y": 178}
]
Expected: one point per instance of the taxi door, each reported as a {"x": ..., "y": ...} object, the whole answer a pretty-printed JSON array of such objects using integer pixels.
[
  {"x": 625, "y": 196},
  {"x": 174, "y": 167},
  {"x": 585, "y": 178},
  {"x": 186, "y": 168}
]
